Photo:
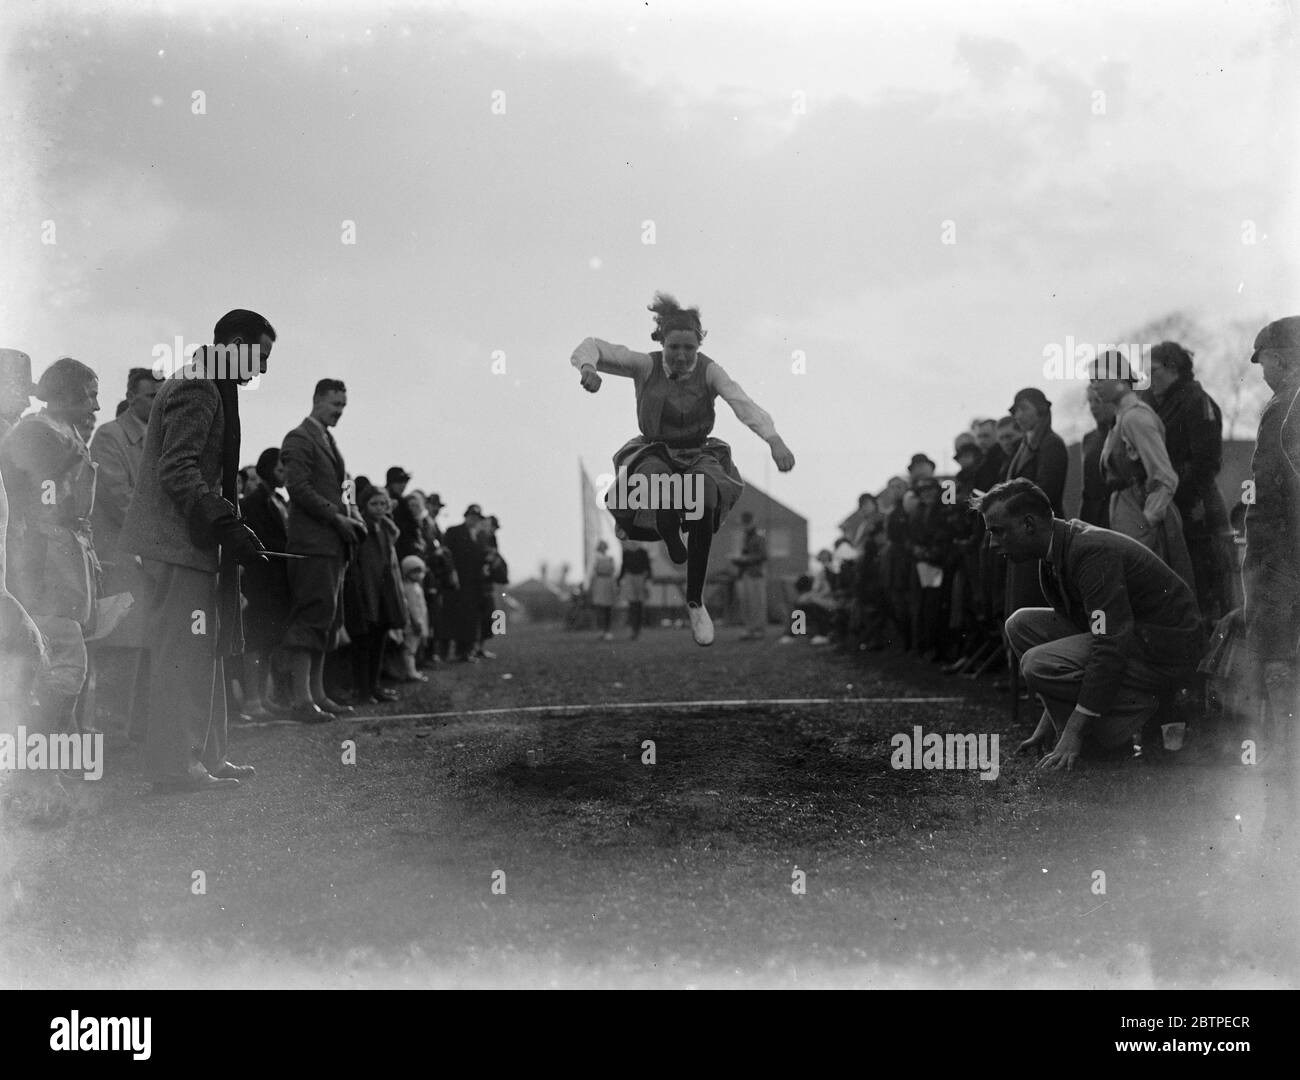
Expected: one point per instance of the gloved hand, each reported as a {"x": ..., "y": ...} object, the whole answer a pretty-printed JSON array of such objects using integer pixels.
[
  {"x": 240, "y": 542},
  {"x": 214, "y": 521}
]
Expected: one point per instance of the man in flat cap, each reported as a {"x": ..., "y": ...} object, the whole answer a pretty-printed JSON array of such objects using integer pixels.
[{"x": 1271, "y": 573}]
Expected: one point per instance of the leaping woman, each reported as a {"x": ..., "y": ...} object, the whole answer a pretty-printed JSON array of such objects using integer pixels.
[{"x": 675, "y": 391}]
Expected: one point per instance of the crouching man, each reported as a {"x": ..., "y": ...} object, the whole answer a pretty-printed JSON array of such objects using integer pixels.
[{"x": 1123, "y": 629}]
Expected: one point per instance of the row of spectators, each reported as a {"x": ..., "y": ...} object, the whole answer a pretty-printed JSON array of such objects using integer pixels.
[
  {"x": 305, "y": 588},
  {"x": 911, "y": 570}
]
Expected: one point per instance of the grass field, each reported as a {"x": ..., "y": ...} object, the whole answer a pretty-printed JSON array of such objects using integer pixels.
[{"x": 610, "y": 872}]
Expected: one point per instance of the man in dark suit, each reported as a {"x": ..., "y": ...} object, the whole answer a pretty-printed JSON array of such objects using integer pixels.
[
  {"x": 1122, "y": 631},
  {"x": 461, "y": 612},
  {"x": 325, "y": 527},
  {"x": 408, "y": 528},
  {"x": 183, "y": 522}
]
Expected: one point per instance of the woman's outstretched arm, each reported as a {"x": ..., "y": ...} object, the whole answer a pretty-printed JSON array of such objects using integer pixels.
[
  {"x": 612, "y": 359},
  {"x": 750, "y": 414}
]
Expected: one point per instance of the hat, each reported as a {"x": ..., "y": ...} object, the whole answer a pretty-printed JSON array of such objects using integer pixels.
[
  {"x": 920, "y": 459},
  {"x": 1032, "y": 395},
  {"x": 1279, "y": 334},
  {"x": 16, "y": 370},
  {"x": 433, "y": 500},
  {"x": 412, "y": 562},
  {"x": 473, "y": 509},
  {"x": 396, "y": 475}
]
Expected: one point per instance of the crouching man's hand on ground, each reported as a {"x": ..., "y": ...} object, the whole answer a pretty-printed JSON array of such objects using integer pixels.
[
  {"x": 1069, "y": 745},
  {"x": 1038, "y": 740},
  {"x": 1065, "y": 754}
]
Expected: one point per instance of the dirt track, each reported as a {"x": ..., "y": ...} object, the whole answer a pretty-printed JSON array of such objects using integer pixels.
[{"x": 678, "y": 873}]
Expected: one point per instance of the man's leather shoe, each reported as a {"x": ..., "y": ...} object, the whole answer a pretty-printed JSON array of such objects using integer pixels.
[
  {"x": 329, "y": 705},
  {"x": 310, "y": 713},
  {"x": 230, "y": 771}
]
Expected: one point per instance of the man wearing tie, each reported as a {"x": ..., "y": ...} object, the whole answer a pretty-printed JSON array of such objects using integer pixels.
[
  {"x": 325, "y": 527},
  {"x": 1122, "y": 631}
]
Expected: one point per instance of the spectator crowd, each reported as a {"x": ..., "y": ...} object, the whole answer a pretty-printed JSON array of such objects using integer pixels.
[
  {"x": 914, "y": 569},
  {"x": 290, "y": 588},
  {"x": 152, "y": 586}
]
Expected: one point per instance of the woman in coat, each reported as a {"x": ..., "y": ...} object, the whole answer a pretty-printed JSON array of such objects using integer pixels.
[
  {"x": 1042, "y": 458},
  {"x": 378, "y": 605},
  {"x": 265, "y": 584}
]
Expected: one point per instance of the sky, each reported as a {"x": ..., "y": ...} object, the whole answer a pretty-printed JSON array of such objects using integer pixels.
[{"x": 886, "y": 213}]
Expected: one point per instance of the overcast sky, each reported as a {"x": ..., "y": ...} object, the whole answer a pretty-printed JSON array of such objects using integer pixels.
[{"x": 802, "y": 165}]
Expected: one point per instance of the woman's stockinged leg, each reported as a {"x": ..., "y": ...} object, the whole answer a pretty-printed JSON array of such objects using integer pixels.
[
  {"x": 669, "y": 524},
  {"x": 699, "y": 536},
  {"x": 668, "y": 520}
]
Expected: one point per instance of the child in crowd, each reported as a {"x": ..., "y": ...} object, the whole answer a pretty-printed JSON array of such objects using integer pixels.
[{"x": 416, "y": 633}]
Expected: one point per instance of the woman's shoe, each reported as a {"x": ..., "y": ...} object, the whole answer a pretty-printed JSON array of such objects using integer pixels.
[{"x": 701, "y": 624}]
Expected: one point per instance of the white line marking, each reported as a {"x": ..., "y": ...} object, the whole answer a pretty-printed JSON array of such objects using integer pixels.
[{"x": 729, "y": 704}]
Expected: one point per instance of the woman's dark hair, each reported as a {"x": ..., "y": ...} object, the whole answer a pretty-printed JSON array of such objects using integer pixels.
[
  {"x": 266, "y": 463},
  {"x": 670, "y": 315},
  {"x": 241, "y": 323},
  {"x": 1172, "y": 355},
  {"x": 63, "y": 381}
]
